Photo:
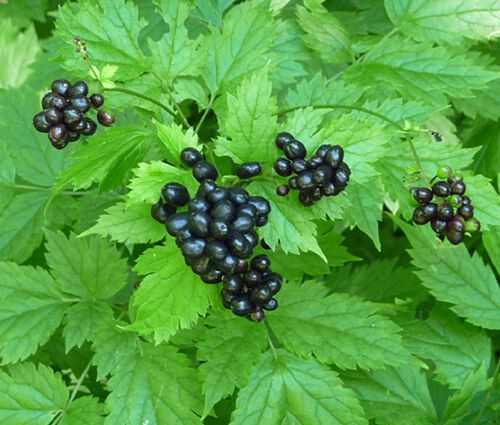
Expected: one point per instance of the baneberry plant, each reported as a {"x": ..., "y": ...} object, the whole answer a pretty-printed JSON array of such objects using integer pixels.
[{"x": 244, "y": 244}]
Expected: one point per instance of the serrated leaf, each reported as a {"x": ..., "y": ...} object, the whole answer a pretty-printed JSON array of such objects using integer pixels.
[
  {"x": 111, "y": 31},
  {"x": 485, "y": 136},
  {"x": 324, "y": 33},
  {"x": 445, "y": 21},
  {"x": 24, "y": 11},
  {"x": 84, "y": 410},
  {"x": 82, "y": 319},
  {"x": 31, "y": 395},
  {"x": 149, "y": 178},
  {"x": 366, "y": 208},
  {"x": 491, "y": 240},
  {"x": 175, "y": 54},
  {"x": 248, "y": 122},
  {"x": 19, "y": 50},
  {"x": 473, "y": 290},
  {"x": 286, "y": 389},
  {"x": 419, "y": 71},
  {"x": 128, "y": 224},
  {"x": 31, "y": 309},
  {"x": 176, "y": 139},
  {"x": 107, "y": 159},
  {"x": 289, "y": 224},
  {"x": 240, "y": 47},
  {"x": 485, "y": 102},
  {"x": 456, "y": 348},
  {"x": 394, "y": 396},
  {"x": 211, "y": 10},
  {"x": 171, "y": 297},
  {"x": 90, "y": 268},
  {"x": 149, "y": 384},
  {"x": 227, "y": 356},
  {"x": 337, "y": 329},
  {"x": 485, "y": 199},
  {"x": 380, "y": 281},
  {"x": 21, "y": 223}
]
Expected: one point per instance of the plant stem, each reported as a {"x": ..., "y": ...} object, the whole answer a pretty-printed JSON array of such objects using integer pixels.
[
  {"x": 270, "y": 337},
  {"x": 345, "y": 106},
  {"x": 145, "y": 97},
  {"x": 416, "y": 157},
  {"x": 205, "y": 113},
  {"x": 42, "y": 189}
]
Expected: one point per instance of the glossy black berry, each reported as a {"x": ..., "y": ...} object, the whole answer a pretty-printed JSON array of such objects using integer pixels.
[
  {"x": 252, "y": 278},
  {"x": 203, "y": 170},
  {"x": 293, "y": 183},
  {"x": 53, "y": 116},
  {"x": 106, "y": 118},
  {"x": 299, "y": 165},
  {"x": 261, "y": 204},
  {"x": 261, "y": 220},
  {"x": 241, "y": 306},
  {"x": 80, "y": 103},
  {"x": 466, "y": 211},
  {"x": 177, "y": 222},
  {"x": 232, "y": 283},
  {"x": 261, "y": 295},
  {"x": 73, "y": 136},
  {"x": 201, "y": 266},
  {"x": 183, "y": 235},
  {"x": 213, "y": 276},
  {"x": 248, "y": 170},
  {"x": 257, "y": 315},
  {"x": 97, "y": 100},
  {"x": 341, "y": 175},
  {"x": 295, "y": 150},
  {"x": 445, "y": 211},
  {"x": 419, "y": 216},
  {"x": 456, "y": 224},
  {"x": 239, "y": 245},
  {"x": 243, "y": 223},
  {"x": 458, "y": 188},
  {"x": 271, "y": 305},
  {"x": 466, "y": 200},
  {"x": 454, "y": 179},
  {"x": 78, "y": 126},
  {"x": 175, "y": 194},
  {"x": 429, "y": 210},
  {"x": 423, "y": 195},
  {"x": 198, "y": 204},
  {"x": 90, "y": 127},
  {"x": 247, "y": 209},
  {"x": 194, "y": 247},
  {"x": 219, "y": 229},
  {"x": 316, "y": 194},
  {"x": 282, "y": 190},
  {"x": 334, "y": 156},
  {"x": 306, "y": 199},
  {"x": 41, "y": 123},
  {"x": 322, "y": 175},
  {"x": 441, "y": 189},
  {"x": 80, "y": 88},
  {"x": 199, "y": 223},
  {"x": 315, "y": 161},
  {"x": 205, "y": 188},
  {"x": 242, "y": 266},
  {"x": 261, "y": 263},
  {"x": 228, "y": 263},
  {"x": 217, "y": 195},
  {"x": 216, "y": 250},
  {"x": 72, "y": 116},
  {"x": 322, "y": 150},
  {"x": 223, "y": 211},
  {"x": 161, "y": 212},
  {"x": 58, "y": 134},
  {"x": 455, "y": 237},
  {"x": 238, "y": 196},
  {"x": 252, "y": 237},
  {"x": 305, "y": 181},
  {"x": 274, "y": 282},
  {"x": 61, "y": 87},
  {"x": 439, "y": 225},
  {"x": 52, "y": 100},
  {"x": 283, "y": 167},
  {"x": 191, "y": 156},
  {"x": 282, "y": 139},
  {"x": 227, "y": 298}
]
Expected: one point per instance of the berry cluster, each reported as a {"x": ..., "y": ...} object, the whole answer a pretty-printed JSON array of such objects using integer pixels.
[
  {"x": 64, "y": 112},
  {"x": 451, "y": 214},
  {"x": 323, "y": 174},
  {"x": 217, "y": 237}
]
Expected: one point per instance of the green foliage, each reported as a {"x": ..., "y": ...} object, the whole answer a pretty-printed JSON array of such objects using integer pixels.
[{"x": 379, "y": 321}]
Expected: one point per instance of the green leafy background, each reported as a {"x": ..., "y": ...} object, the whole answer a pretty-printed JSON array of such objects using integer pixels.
[{"x": 101, "y": 322}]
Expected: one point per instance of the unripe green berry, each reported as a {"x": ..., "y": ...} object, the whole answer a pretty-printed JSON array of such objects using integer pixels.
[
  {"x": 444, "y": 171},
  {"x": 455, "y": 201}
]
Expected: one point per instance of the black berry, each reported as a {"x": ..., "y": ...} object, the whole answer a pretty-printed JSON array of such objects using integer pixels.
[
  {"x": 248, "y": 170},
  {"x": 97, "y": 100},
  {"x": 203, "y": 170},
  {"x": 191, "y": 156},
  {"x": 175, "y": 194},
  {"x": 105, "y": 118}
]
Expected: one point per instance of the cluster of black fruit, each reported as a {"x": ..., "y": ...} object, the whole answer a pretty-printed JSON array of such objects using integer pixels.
[
  {"x": 64, "y": 109},
  {"x": 446, "y": 207},
  {"x": 217, "y": 237},
  {"x": 323, "y": 174}
]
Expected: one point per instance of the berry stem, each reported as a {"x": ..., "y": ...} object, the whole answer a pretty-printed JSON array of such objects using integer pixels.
[
  {"x": 344, "y": 106},
  {"x": 205, "y": 113},
  {"x": 145, "y": 97},
  {"x": 42, "y": 189},
  {"x": 270, "y": 338},
  {"x": 416, "y": 157}
]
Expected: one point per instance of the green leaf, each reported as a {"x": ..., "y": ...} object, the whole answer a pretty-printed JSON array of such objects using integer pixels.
[
  {"x": 240, "y": 48},
  {"x": 227, "y": 356},
  {"x": 171, "y": 297},
  {"x": 485, "y": 199},
  {"x": 337, "y": 329},
  {"x": 419, "y": 71},
  {"x": 366, "y": 207},
  {"x": 485, "y": 102},
  {"x": 491, "y": 240},
  {"x": 175, "y": 54},
  {"x": 128, "y": 224},
  {"x": 149, "y": 384},
  {"x": 82, "y": 319},
  {"x": 31, "y": 309},
  {"x": 24, "y": 11},
  {"x": 473, "y": 290},
  {"x": 89, "y": 268},
  {"x": 176, "y": 139},
  {"x": 381, "y": 281},
  {"x": 248, "y": 122},
  {"x": 290, "y": 225},
  {"x": 111, "y": 31},
  {"x": 486, "y": 137},
  {"x": 21, "y": 223},
  {"x": 445, "y": 21},
  {"x": 211, "y": 11},
  {"x": 107, "y": 159},
  {"x": 19, "y": 50},
  {"x": 286, "y": 389},
  {"x": 84, "y": 410},
  {"x": 149, "y": 178},
  {"x": 31, "y": 395},
  {"x": 324, "y": 33},
  {"x": 456, "y": 348},
  {"x": 394, "y": 396}
]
